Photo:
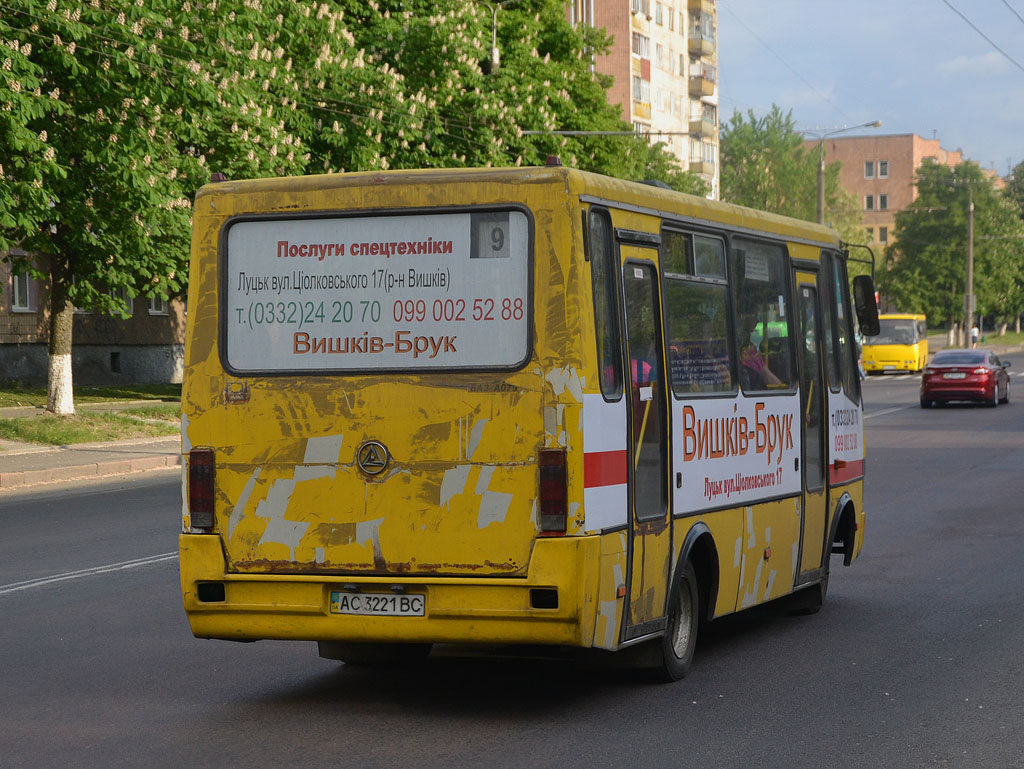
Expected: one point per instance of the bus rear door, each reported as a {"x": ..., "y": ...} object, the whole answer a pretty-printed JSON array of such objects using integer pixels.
[
  {"x": 812, "y": 421},
  {"x": 650, "y": 540}
]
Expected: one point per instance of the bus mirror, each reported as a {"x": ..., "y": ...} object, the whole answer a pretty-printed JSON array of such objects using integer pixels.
[{"x": 867, "y": 307}]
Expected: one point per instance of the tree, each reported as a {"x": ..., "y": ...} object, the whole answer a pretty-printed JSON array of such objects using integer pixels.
[
  {"x": 129, "y": 150},
  {"x": 765, "y": 165},
  {"x": 114, "y": 114},
  {"x": 1014, "y": 190},
  {"x": 925, "y": 268}
]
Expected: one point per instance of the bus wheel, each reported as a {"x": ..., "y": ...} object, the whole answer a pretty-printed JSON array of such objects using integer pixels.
[
  {"x": 373, "y": 654},
  {"x": 680, "y": 639}
]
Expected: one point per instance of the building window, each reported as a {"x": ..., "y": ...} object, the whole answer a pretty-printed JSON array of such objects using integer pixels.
[
  {"x": 671, "y": 19},
  {"x": 869, "y": 169},
  {"x": 21, "y": 300},
  {"x": 659, "y": 17},
  {"x": 641, "y": 90},
  {"x": 871, "y": 234},
  {"x": 682, "y": 65},
  {"x": 641, "y": 45},
  {"x": 883, "y": 202},
  {"x": 659, "y": 56},
  {"x": 157, "y": 305},
  {"x": 883, "y": 234},
  {"x": 125, "y": 299},
  {"x": 869, "y": 202},
  {"x": 641, "y": 6},
  {"x": 883, "y": 169}
]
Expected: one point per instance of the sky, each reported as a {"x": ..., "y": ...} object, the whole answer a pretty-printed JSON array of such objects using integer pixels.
[{"x": 916, "y": 65}]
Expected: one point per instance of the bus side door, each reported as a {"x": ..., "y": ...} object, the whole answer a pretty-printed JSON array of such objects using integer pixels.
[
  {"x": 813, "y": 399},
  {"x": 650, "y": 531}
]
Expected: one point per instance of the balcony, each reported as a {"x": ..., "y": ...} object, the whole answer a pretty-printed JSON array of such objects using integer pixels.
[
  {"x": 702, "y": 167},
  {"x": 701, "y": 38},
  {"x": 702, "y": 126},
  {"x": 703, "y": 6},
  {"x": 702, "y": 81},
  {"x": 698, "y": 45}
]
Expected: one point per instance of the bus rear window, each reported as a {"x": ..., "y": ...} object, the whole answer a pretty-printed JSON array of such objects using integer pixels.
[{"x": 432, "y": 291}]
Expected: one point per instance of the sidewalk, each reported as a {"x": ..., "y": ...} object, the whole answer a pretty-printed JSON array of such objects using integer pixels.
[
  {"x": 937, "y": 342},
  {"x": 27, "y": 464}
]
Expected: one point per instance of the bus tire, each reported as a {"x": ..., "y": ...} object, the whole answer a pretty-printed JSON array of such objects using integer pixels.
[
  {"x": 373, "y": 654},
  {"x": 680, "y": 639}
]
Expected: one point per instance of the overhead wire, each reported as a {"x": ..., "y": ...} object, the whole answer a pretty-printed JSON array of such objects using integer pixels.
[
  {"x": 989, "y": 40},
  {"x": 1013, "y": 11},
  {"x": 785, "y": 63}
]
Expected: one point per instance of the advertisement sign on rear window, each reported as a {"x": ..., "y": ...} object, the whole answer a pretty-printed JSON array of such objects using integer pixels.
[{"x": 414, "y": 292}]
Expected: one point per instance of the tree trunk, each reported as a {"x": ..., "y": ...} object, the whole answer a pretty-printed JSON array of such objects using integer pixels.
[
  {"x": 59, "y": 391},
  {"x": 953, "y": 335},
  {"x": 1002, "y": 328}
]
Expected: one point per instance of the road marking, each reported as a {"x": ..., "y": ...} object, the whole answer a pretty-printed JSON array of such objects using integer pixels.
[
  {"x": 40, "y": 581},
  {"x": 883, "y": 412}
]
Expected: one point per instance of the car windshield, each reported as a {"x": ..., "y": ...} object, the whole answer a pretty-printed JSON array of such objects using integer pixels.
[
  {"x": 895, "y": 331},
  {"x": 958, "y": 358}
]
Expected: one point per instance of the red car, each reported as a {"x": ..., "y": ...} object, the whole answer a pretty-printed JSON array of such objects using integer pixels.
[{"x": 965, "y": 375}]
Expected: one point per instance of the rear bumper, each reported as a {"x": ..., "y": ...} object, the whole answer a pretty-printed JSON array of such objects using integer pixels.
[
  {"x": 458, "y": 609},
  {"x": 959, "y": 392},
  {"x": 873, "y": 366}
]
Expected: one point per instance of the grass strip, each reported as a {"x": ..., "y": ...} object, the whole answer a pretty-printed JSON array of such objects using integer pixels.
[
  {"x": 18, "y": 395},
  {"x": 88, "y": 427}
]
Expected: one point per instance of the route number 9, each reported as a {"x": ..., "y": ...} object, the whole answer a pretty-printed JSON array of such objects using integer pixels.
[{"x": 490, "y": 235}]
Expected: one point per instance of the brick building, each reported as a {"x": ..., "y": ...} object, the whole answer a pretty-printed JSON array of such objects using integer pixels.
[
  {"x": 664, "y": 59},
  {"x": 146, "y": 348},
  {"x": 880, "y": 171}
]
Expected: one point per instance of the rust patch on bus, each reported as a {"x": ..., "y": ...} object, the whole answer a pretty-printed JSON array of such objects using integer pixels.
[{"x": 329, "y": 568}]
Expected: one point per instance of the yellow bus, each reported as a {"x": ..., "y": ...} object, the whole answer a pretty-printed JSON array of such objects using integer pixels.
[
  {"x": 901, "y": 344},
  {"x": 510, "y": 406}
]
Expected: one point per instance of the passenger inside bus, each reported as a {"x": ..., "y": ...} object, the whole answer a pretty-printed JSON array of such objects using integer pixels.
[{"x": 754, "y": 372}]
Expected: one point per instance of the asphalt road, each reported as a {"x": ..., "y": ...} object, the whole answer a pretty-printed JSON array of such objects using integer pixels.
[{"x": 915, "y": 660}]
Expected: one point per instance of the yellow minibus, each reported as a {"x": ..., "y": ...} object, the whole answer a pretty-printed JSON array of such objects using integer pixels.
[
  {"x": 510, "y": 406},
  {"x": 901, "y": 344}
]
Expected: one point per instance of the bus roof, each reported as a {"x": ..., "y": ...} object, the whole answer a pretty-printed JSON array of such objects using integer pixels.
[{"x": 592, "y": 186}]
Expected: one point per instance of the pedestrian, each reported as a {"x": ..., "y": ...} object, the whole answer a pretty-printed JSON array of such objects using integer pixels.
[{"x": 974, "y": 336}]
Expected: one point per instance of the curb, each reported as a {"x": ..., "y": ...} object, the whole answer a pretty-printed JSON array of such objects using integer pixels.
[
  {"x": 25, "y": 465},
  {"x": 24, "y": 478}
]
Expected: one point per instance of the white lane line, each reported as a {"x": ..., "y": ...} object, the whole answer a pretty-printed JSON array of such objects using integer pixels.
[
  {"x": 883, "y": 412},
  {"x": 40, "y": 581}
]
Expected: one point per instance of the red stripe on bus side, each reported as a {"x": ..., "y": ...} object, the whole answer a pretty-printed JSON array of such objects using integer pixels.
[
  {"x": 840, "y": 472},
  {"x": 604, "y": 468}
]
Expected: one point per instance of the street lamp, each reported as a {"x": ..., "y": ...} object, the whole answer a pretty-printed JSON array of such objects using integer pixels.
[
  {"x": 495, "y": 56},
  {"x": 821, "y": 159}
]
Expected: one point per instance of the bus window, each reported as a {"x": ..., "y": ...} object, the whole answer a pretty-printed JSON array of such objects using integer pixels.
[
  {"x": 760, "y": 288},
  {"x": 844, "y": 332},
  {"x": 602, "y": 270},
  {"x": 709, "y": 257},
  {"x": 696, "y": 317},
  {"x": 828, "y": 327}
]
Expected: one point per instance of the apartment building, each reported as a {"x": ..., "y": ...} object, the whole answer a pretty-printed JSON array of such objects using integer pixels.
[
  {"x": 664, "y": 60},
  {"x": 146, "y": 348},
  {"x": 880, "y": 172}
]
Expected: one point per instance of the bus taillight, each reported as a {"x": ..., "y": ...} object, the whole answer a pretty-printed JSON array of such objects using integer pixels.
[
  {"x": 200, "y": 488},
  {"x": 554, "y": 494}
]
